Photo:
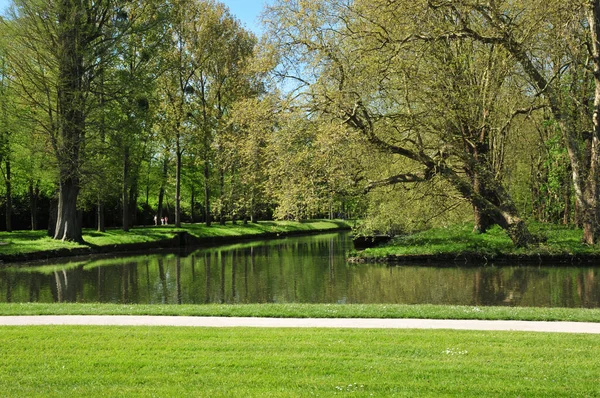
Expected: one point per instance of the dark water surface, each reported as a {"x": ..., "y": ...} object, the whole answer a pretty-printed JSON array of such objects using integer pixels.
[{"x": 309, "y": 269}]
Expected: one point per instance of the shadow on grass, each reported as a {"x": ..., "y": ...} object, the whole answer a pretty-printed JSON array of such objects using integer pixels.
[{"x": 23, "y": 235}]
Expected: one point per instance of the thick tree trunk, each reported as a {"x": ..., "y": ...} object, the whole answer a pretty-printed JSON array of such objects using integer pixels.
[
  {"x": 591, "y": 228},
  {"x": 8, "y": 198},
  {"x": 481, "y": 220},
  {"x": 71, "y": 116},
  {"x": 68, "y": 227},
  {"x": 495, "y": 207}
]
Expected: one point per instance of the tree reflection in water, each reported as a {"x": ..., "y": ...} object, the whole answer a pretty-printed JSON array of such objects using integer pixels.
[{"x": 302, "y": 269}]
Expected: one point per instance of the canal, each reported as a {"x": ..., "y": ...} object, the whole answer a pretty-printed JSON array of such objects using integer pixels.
[{"x": 308, "y": 269}]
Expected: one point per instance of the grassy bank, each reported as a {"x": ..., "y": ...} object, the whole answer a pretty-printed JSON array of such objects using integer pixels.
[
  {"x": 23, "y": 243},
  {"x": 560, "y": 242},
  {"x": 311, "y": 311},
  {"x": 153, "y": 361}
]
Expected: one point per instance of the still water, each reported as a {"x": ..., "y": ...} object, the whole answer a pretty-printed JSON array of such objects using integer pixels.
[{"x": 309, "y": 269}]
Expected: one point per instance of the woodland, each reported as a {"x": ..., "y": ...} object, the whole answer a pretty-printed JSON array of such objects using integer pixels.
[{"x": 405, "y": 114}]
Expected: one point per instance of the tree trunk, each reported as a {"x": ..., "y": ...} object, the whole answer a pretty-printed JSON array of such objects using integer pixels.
[
  {"x": 8, "y": 198},
  {"x": 100, "y": 214},
  {"x": 161, "y": 192},
  {"x": 133, "y": 198},
  {"x": 192, "y": 200},
  {"x": 33, "y": 198},
  {"x": 590, "y": 196},
  {"x": 178, "y": 187},
  {"x": 68, "y": 227},
  {"x": 124, "y": 193},
  {"x": 496, "y": 205},
  {"x": 207, "y": 194},
  {"x": 481, "y": 220},
  {"x": 253, "y": 218},
  {"x": 222, "y": 197},
  {"x": 71, "y": 116}
]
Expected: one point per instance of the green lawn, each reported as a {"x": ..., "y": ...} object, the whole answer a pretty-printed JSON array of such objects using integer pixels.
[
  {"x": 22, "y": 242},
  {"x": 63, "y": 361},
  {"x": 460, "y": 240},
  {"x": 311, "y": 311}
]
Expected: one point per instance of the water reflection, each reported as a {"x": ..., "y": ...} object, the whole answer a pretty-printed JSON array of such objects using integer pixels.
[{"x": 303, "y": 269}]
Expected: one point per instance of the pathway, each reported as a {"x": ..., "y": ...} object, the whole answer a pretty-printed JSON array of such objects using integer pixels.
[{"x": 125, "y": 320}]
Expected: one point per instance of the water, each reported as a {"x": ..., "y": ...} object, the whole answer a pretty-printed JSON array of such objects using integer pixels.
[{"x": 298, "y": 269}]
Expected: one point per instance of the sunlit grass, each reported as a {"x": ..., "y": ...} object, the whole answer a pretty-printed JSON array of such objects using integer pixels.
[
  {"x": 61, "y": 361},
  {"x": 23, "y": 242},
  {"x": 460, "y": 240},
  {"x": 295, "y": 310}
]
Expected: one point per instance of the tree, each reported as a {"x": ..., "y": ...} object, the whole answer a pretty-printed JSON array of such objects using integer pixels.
[
  {"x": 568, "y": 51},
  {"x": 424, "y": 99},
  {"x": 63, "y": 41},
  {"x": 5, "y": 133}
]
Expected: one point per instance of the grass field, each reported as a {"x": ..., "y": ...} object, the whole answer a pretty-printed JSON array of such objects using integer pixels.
[
  {"x": 460, "y": 240},
  {"x": 197, "y": 362},
  {"x": 22, "y": 242},
  {"x": 311, "y": 311}
]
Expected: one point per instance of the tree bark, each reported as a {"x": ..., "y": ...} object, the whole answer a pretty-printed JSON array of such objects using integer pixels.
[
  {"x": 192, "y": 200},
  {"x": 71, "y": 105},
  {"x": 34, "y": 193},
  {"x": 207, "y": 194},
  {"x": 222, "y": 196},
  {"x": 125, "y": 191},
  {"x": 100, "y": 216},
  {"x": 68, "y": 227},
  {"x": 8, "y": 197},
  {"x": 590, "y": 196},
  {"x": 161, "y": 192},
  {"x": 178, "y": 186}
]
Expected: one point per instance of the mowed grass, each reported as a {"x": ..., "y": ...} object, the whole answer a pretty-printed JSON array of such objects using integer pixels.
[
  {"x": 61, "y": 361},
  {"x": 297, "y": 310},
  {"x": 460, "y": 240},
  {"x": 23, "y": 242}
]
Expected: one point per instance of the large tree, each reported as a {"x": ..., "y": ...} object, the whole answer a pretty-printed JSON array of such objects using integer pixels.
[
  {"x": 428, "y": 100},
  {"x": 55, "y": 49},
  {"x": 557, "y": 44}
]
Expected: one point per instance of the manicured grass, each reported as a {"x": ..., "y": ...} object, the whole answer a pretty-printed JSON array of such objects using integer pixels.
[
  {"x": 311, "y": 311},
  {"x": 22, "y": 242},
  {"x": 460, "y": 240},
  {"x": 61, "y": 361}
]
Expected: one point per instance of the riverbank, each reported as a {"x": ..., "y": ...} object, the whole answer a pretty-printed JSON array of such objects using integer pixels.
[
  {"x": 298, "y": 310},
  {"x": 22, "y": 246},
  {"x": 457, "y": 244}
]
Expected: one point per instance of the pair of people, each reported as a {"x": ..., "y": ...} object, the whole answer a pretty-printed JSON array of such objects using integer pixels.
[{"x": 163, "y": 220}]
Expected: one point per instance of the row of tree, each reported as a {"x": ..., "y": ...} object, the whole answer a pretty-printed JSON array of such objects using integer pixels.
[{"x": 407, "y": 113}]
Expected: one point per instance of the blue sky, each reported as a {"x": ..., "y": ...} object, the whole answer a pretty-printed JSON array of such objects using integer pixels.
[{"x": 246, "y": 11}]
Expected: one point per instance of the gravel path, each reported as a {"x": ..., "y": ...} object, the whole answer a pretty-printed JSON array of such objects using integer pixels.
[{"x": 123, "y": 320}]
